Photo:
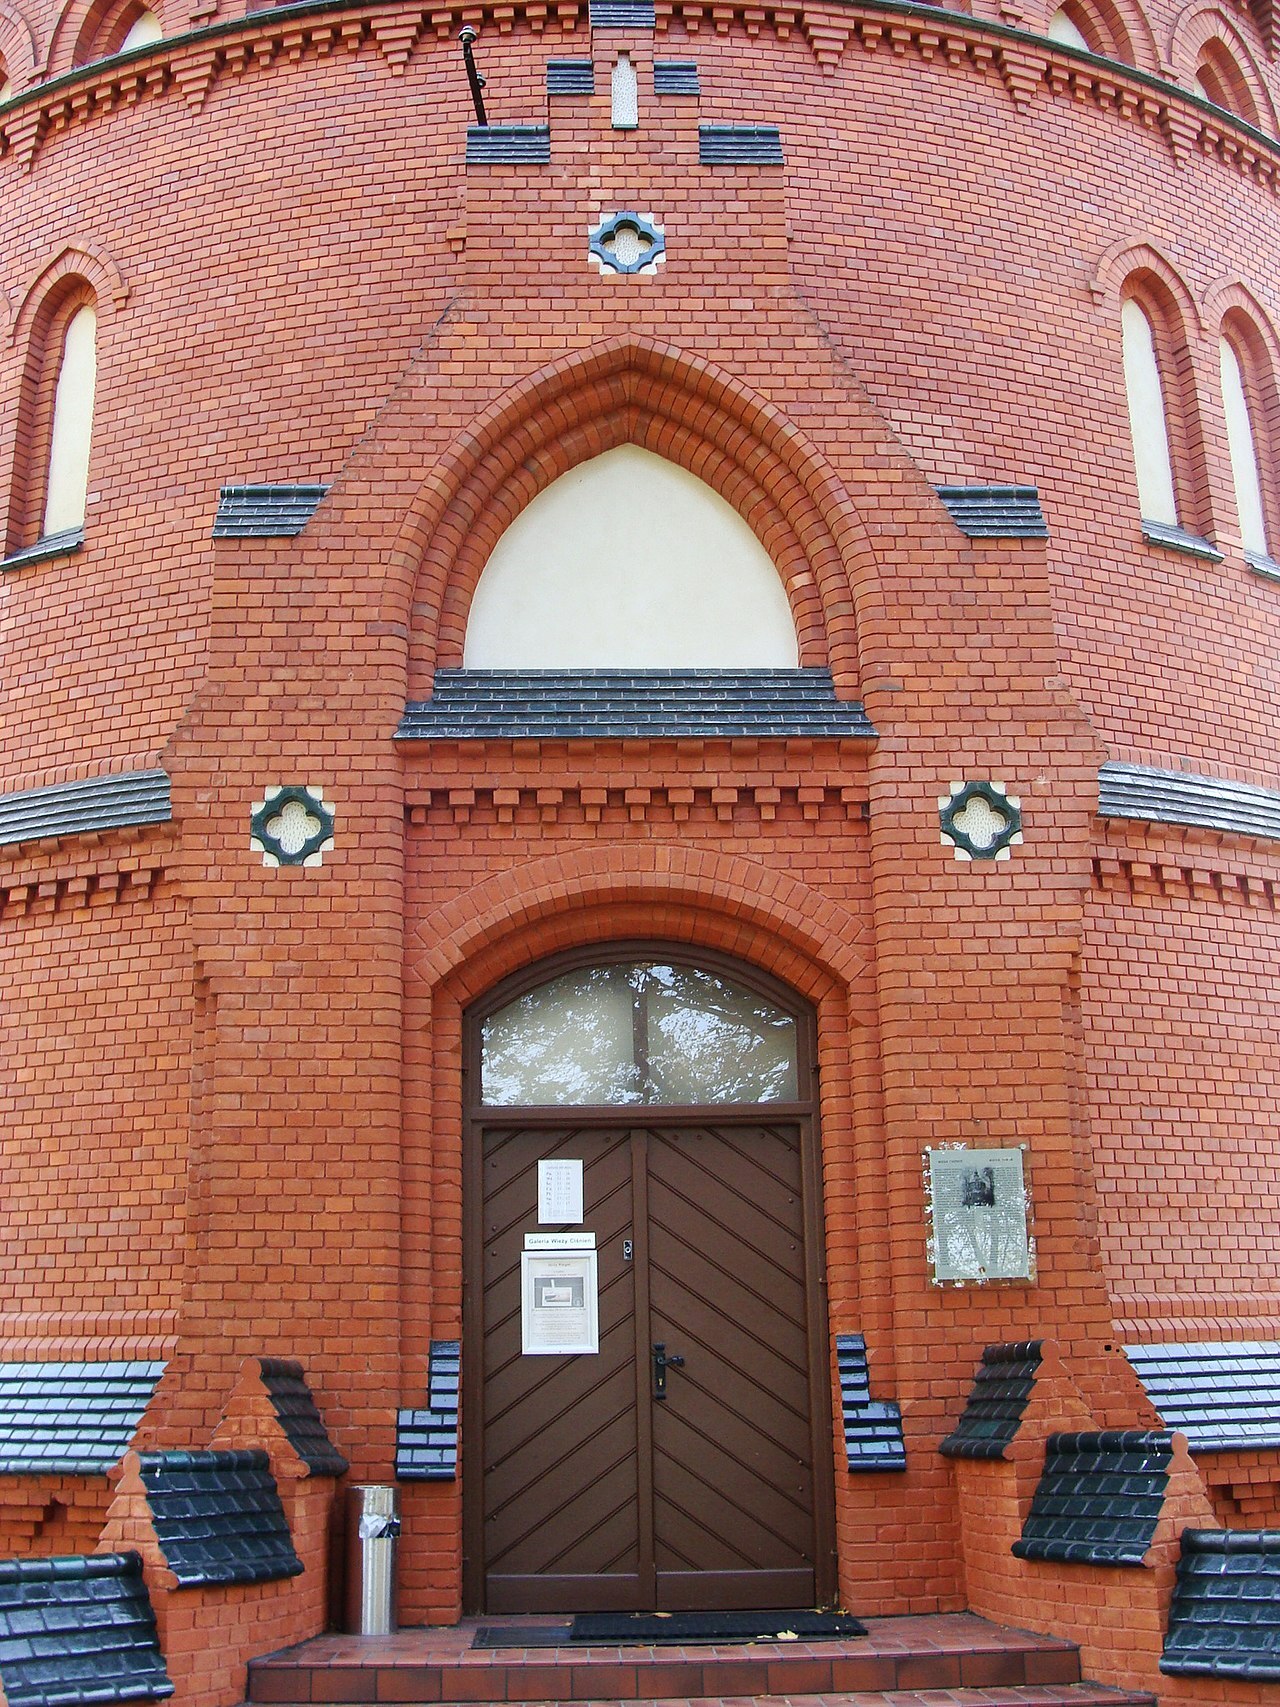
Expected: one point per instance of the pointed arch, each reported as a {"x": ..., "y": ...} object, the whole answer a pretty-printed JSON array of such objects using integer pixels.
[
  {"x": 1136, "y": 255},
  {"x": 1209, "y": 55},
  {"x": 1112, "y": 29},
  {"x": 88, "y": 30},
  {"x": 17, "y": 50},
  {"x": 76, "y": 260},
  {"x": 659, "y": 398}
]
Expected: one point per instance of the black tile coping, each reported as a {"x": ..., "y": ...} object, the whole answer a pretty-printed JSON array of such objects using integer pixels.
[
  {"x": 675, "y": 77},
  {"x": 427, "y": 1440},
  {"x": 1182, "y": 797},
  {"x": 1223, "y": 1395},
  {"x": 294, "y": 1405},
  {"x": 1224, "y": 1618},
  {"x": 995, "y": 512},
  {"x": 623, "y": 14},
  {"x": 265, "y": 512},
  {"x": 116, "y": 800},
  {"x": 218, "y": 1517},
  {"x": 78, "y": 1630},
  {"x": 1179, "y": 539},
  {"x": 53, "y": 545},
  {"x": 996, "y": 1402},
  {"x": 739, "y": 145},
  {"x": 71, "y": 1419},
  {"x": 872, "y": 1428},
  {"x": 612, "y": 704},
  {"x": 571, "y": 77},
  {"x": 508, "y": 145},
  {"x": 1099, "y": 1497}
]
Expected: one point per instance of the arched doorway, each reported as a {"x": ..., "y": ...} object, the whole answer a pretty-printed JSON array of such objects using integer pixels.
[{"x": 681, "y": 1459}]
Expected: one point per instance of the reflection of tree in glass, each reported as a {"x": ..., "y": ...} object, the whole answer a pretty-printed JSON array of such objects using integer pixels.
[
  {"x": 638, "y": 1034},
  {"x": 982, "y": 1231}
]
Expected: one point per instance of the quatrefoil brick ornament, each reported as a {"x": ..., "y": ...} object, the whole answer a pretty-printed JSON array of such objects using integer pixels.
[
  {"x": 980, "y": 820},
  {"x": 627, "y": 243},
  {"x": 291, "y": 825}
]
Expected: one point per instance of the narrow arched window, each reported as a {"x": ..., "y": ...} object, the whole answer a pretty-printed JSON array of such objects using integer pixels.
[
  {"x": 1064, "y": 29},
  {"x": 1148, "y": 421},
  {"x": 67, "y": 471},
  {"x": 1242, "y": 442}
]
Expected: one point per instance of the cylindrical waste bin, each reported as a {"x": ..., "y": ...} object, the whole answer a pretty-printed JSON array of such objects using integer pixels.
[{"x": 373, "y": 1525}]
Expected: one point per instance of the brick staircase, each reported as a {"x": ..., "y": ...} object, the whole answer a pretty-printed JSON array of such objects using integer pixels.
[{"x": 955, "y": 1660}]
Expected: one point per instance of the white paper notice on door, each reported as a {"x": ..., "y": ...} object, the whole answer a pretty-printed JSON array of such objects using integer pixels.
[
  {"x": 559, "y": 1192},
  {"x": 558, "y": 1304}
]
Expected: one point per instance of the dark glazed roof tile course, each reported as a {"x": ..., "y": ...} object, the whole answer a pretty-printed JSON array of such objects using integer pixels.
[
  {"x": 508, "y": 145},
  {"x": 1224, "y": 1620},
  {"x": 299, "y": 1417},
  {"x": 995, "y": 512},
  {"x": 1223, "y": 1396},
  {"x": 612, "y": 704},
  {"x": 218, "y": 1517},
  {"x": 78, "y": 1630},
  {"x": 427, "y": 1441},
  {"x": 116, "y": 800},
  {"x": 1001, "y": 1389},
  {"x": 1099, "y": 1498},
  {"x": 872, "y": 1428},
  {"x": 1181, "y": 797},
  {"x": 265, "y": 512},
  {"x": 739, "y": 145},
  {"x": 70, "y": 1418}
]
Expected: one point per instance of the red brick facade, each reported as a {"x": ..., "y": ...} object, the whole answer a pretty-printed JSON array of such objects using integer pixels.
[{"x": 232, "y": 1106}]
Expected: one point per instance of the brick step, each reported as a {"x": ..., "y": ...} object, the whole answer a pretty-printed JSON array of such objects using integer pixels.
[
  {"x": 440, "y": 1668},
  {"x": 1051, "y": 1695}
]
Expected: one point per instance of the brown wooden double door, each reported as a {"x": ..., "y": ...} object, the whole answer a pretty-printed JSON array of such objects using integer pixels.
[{"x": 597, "y": 1493}]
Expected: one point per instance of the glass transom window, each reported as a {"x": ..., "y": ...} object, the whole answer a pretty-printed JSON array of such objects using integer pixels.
[{"x": 645, "y": 1033}]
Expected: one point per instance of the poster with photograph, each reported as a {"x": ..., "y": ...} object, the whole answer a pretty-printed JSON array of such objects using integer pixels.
[
  {"x": 978, "y": 1205},
  {"x": 559, "y": 1304}
]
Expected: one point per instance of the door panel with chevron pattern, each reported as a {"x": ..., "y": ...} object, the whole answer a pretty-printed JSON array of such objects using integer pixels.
[{"x": 599, "y": 1495}]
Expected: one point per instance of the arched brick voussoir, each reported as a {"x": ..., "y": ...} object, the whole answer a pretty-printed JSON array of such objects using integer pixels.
[
  {"x": 1134, "y": 255},
  {"x": 667, "y": 401},
  {"x": 614, "y": 892},
  {"x": 77, "y": 259}
]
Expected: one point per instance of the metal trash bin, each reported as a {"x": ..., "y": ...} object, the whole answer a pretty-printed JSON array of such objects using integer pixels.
[{"x": 373, "y": 1526}]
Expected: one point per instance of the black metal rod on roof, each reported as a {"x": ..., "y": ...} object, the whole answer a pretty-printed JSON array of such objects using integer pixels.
[{"x": 467, "y": 35}]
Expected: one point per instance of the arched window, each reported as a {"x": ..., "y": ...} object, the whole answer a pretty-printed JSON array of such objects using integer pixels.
[
  {"x": 6, "y": 82},
  {"x": 1219, "y": 79},
  {"x": 144, "y": 29},
  {"x": 1148, "y": 418},
  {"x": 649, "y": 1033},
  {"x": 67, "y": 469},
  {"x": 1063, "y": 28},
  {"x": 1246, "y": 432},
  {"x": 629, "y": 562}
]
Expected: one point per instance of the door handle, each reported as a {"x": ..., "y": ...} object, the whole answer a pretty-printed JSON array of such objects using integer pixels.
[{"x": 662, "y": 1361}]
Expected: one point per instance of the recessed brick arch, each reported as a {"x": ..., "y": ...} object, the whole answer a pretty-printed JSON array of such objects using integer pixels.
[
  {"x": 687, "y": 895},
  {"x": 1202, "y": 27},
  {"x": 679, "y": 407}
]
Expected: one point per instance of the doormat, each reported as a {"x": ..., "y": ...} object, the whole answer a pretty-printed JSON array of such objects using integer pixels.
[
  {"x": 648, "y": 1628},
  {"x": 521, "y": 1636}
]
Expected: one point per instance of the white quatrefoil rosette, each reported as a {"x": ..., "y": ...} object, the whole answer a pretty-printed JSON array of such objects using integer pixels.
[
  {"x": 291, "y": 825},
  {"x": 980, "y": 820}
]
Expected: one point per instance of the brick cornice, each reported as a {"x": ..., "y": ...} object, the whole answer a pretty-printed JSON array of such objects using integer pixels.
[{"x": 1028, "y": 64}]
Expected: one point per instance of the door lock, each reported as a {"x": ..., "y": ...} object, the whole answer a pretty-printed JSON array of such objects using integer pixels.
[{"x": 662, "y": 1361}]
